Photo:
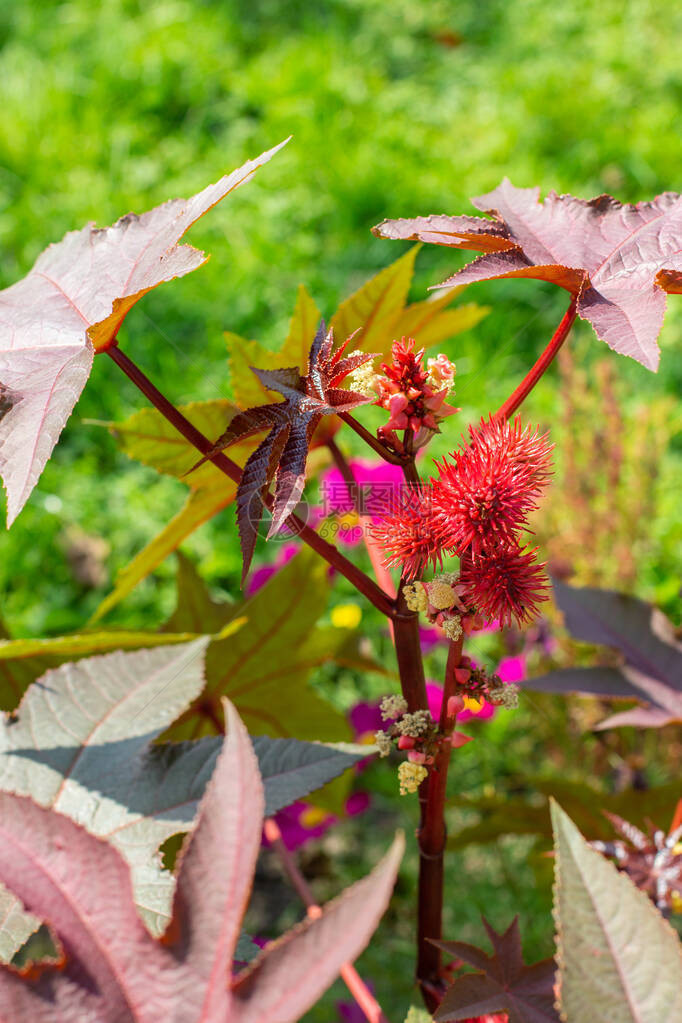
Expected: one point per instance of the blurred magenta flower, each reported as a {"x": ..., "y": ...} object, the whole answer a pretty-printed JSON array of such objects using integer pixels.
[
  {"x": 260, "y": 576},
  {"x": 430, "y": 636},
  {"x": 378, "y": 481},
  {"x": 512, "y": 669},
  {"x": 365, "y": 719}
]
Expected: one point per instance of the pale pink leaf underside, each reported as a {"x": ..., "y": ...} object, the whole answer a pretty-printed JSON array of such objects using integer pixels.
[
  {"x": 216, "y": 871},
  {"x": 618, "y": 259},
  {"x": 70, "y": 304},
  {"x": 80, "y": 884}
]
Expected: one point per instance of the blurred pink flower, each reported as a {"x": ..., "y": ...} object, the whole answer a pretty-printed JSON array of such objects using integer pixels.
[
  {"x": 379, "y": 482},
  {"x": 260, "y": 576},
  {"x": 512, "y": 669},
  {"x": 430, "y": 636}
]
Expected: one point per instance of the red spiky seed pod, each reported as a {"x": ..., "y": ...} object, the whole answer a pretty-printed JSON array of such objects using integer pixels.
[
  {"x": 408, "y": 532},
  {"x": 487, "y": 490},
  {"x": 504, "y": 584}
]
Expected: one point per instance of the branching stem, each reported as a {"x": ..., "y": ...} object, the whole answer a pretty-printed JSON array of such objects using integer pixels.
[
  {"x": 388, "y": 456},
  {"x": 507, "y": 410},
  {"x": 356, "y": 576}
]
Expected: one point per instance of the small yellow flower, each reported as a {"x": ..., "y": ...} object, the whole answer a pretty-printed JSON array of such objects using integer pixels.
[
  {"x": 410, "y": 776},
  {"x": 348, "y": 520},
  {"x": 472, "y": 704},
  {"x": 346, "y": 616}
]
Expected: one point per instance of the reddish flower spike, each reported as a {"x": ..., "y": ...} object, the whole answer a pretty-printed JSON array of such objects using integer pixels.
[
  {"x": 405, "y": 392},
  {"x": 505, "y": 584},
  {"x": 408, "y": 533}
]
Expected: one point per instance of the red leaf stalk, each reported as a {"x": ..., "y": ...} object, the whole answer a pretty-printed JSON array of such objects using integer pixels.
[
  {"x": 432, "y": 837},
  {"x": 353, "y": 981},
  {"x": 369, "y": 438},
  {"x": 331, "y": 554},
  {"x": 509, "y": 407}
]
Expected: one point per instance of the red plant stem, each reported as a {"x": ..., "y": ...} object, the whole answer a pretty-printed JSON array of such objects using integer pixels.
[
  {"x": 388, "y": 456},
  {"x": 409, "y": 654},
  {"x": 506, "y": 410},
  {"x": 354, "y": 982},
  {"x": 356, "y": 576},
  {"x": 432, "y": 837}
]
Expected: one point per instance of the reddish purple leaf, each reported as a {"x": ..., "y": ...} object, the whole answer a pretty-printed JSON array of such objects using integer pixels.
[
  {"x": 291, "y": 974},
  {"x": 70, "y": 305},
  {"x": 525, "y": 993},
  {"x": 283, "y": 453},
  {"x": 112, "y": 970},
  {"x": 618, "y": 259}
]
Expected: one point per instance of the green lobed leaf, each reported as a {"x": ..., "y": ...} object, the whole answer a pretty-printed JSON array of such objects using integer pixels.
[
  {"x": 619, "y": 960},
  {"x": 430, "y": 322},
  {"x": 264, "y": 667},
  {"x": 24, "y": 660},
  {"x": 375, "y": 307},
  {"x": 148, "y": 437}
]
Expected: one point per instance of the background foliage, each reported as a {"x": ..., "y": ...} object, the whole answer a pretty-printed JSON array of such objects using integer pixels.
[{"x": 396, "y": 109}]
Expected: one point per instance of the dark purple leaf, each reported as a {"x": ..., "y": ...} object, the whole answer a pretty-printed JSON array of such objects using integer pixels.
[
  {"x": 525, "y": 993},
  {"x": 640, "y": 631},
  {"x": 282, "y": 454},
  {"x": 598, "y": 681}
]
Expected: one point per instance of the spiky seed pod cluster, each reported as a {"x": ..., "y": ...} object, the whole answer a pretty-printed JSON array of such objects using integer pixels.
[{"x": 476, "y": 508}]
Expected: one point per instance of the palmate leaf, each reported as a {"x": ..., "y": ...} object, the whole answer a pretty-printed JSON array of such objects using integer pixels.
[
  {"x": 83, "y": 742},
  {"x": 505, "y": 983},
  {"x": 112, "y": 970},
  {"x": 618, "y": 260},
  {"x": 618, "y": 958},
  {"x": 263, "y": 668},
  {"x": 282, "y": 455},
  {"x": 148, "y": 437},
  {"x": 376, "y": 306},
  {"x": 243, "y": 355},
  {"x": 201, "y": 506},
  {"x": 70, "y": 305},
  {"x": 652, "y": 672}
]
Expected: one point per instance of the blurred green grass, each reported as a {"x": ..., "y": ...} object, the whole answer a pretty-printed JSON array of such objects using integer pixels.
[{"x": 395, "y": 109}]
